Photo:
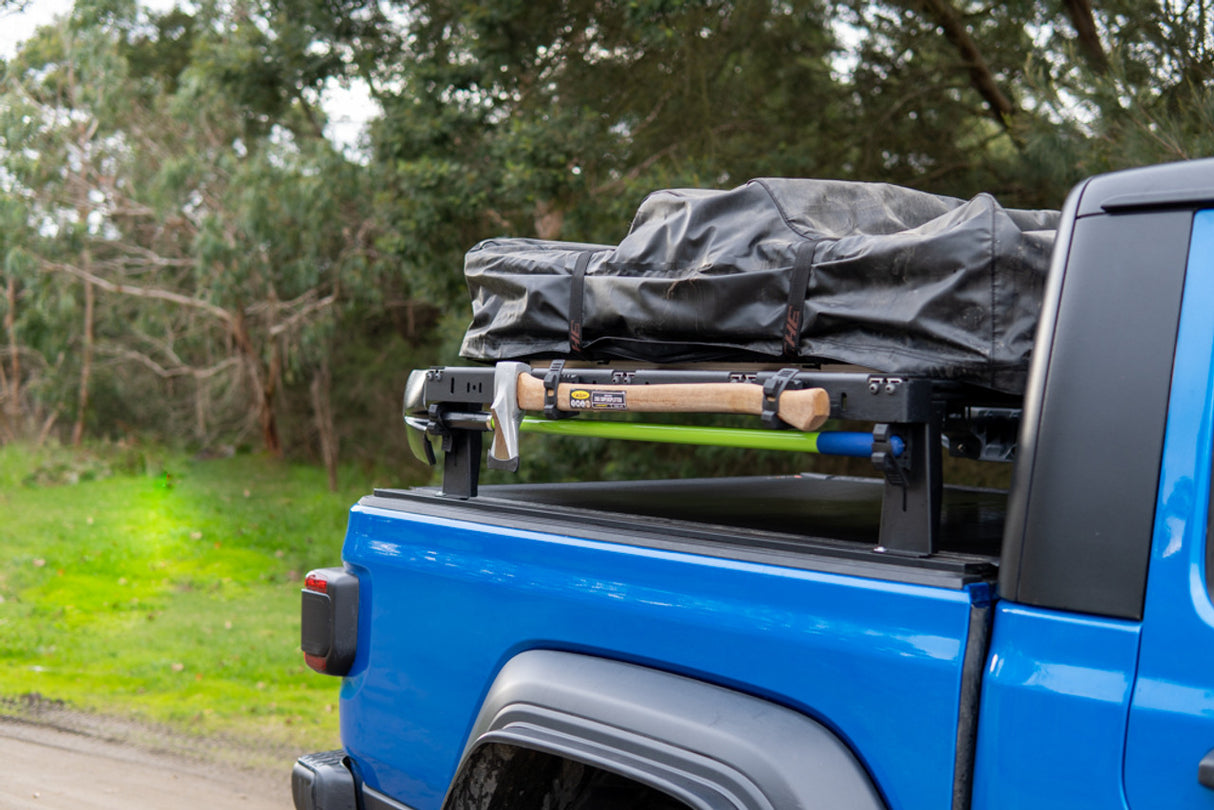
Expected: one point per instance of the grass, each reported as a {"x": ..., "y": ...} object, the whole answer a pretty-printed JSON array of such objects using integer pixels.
[{"x": 152, "y": 586}]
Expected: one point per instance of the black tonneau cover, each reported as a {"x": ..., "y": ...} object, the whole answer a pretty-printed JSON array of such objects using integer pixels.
[
  {"x": 814, "y": 522},
  {"x": 779, "y": 270}
]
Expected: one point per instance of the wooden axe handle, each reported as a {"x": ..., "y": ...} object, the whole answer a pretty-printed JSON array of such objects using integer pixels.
[{"x": 804, "y": 409}]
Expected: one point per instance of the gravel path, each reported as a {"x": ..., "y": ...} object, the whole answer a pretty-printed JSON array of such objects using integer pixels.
[{"x": 44, "y": 768}]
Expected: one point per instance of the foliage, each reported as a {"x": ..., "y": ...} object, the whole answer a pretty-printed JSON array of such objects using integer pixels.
[
  {"x": 1026, "y": 98},
  {"x": 556, "y": 119},
  {"x": 226, "y": 234},
  {"x": 250, "y": 278}
]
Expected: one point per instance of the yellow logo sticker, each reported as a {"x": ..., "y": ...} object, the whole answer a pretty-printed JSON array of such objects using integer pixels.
[{"x": 582, "y": 395}]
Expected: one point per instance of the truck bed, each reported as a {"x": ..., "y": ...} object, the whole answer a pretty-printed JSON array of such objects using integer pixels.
[
  {"x": 769, "y": 587},
  {"x": 808, "y": 521}
]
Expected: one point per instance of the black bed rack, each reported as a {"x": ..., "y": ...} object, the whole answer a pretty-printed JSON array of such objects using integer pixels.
[{"x": 913, "y": 419}]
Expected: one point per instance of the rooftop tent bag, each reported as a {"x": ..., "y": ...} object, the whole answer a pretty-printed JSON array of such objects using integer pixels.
[{"x": 779, "y": 271}]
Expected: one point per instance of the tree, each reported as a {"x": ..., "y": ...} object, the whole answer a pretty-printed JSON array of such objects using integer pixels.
[
  {"x": 229, "y": 239},
  {"x": 15, "y": 234},
  {"x": 555, "y": 119},
  {"x": 1026, "y": 98},
  {"x": 172, "y": 169}
]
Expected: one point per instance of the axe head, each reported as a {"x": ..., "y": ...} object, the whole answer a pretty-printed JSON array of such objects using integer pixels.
[
  {"x": 415, "y": 394},
  {"x": 507, "y": 416},
  {"x": 420, "y": 441},
  {"x": 413, "y": 409}
]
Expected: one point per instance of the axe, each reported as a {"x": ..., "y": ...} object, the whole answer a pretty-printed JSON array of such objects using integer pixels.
[
  {"x": 515, "y": 391},
  {"x": 507, "y": 414}
]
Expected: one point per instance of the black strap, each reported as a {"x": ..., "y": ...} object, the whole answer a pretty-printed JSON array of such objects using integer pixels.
[
  {"x": 798, "y": 285},
  {"x": 576, "y": 302},
  {"x": 772, "y": 389},
  {"x": 551, "y": 380}
]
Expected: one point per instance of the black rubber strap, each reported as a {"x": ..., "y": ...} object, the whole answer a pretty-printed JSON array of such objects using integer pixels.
[
  {"x": 772, "y": 389},
  {"x": 576, "y": 302},
  {"x": 551, "y": 380},
  {"x": 797, "y": 287}
]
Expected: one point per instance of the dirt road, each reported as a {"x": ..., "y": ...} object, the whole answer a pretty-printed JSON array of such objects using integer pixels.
[{"x": 43, "y": 768}]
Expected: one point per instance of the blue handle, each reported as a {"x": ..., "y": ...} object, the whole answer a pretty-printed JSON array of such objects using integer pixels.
[{"x": 853, "y": 443}]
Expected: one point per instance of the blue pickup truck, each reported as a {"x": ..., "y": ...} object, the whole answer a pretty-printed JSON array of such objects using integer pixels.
[{"x": 818, "y": 641}]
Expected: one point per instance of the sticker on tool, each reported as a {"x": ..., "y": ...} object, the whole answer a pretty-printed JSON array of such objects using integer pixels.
[{"x": 582, "y": 399}]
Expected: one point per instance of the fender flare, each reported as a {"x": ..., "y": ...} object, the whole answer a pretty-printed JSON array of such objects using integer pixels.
[{"x": 712, "y": 748}]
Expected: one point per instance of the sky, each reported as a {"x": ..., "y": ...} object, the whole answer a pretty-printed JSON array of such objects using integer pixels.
[
  {"x": 348, "y": 109},
  {"x": 14, "y": 28}
]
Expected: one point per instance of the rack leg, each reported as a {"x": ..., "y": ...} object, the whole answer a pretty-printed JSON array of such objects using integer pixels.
[
  {"x": 910, "y": 510},
  {"x": 462, "y": 464}
]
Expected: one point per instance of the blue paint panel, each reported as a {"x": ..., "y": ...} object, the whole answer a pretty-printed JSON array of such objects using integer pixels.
[
  {"x": 1172, "y": 717},
  {"x": 879, "y": 662},
  {"x": 1054, "y": 703}
]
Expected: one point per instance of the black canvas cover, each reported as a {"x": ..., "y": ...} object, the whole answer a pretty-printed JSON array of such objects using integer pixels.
[{"x": 779, "y": 270}]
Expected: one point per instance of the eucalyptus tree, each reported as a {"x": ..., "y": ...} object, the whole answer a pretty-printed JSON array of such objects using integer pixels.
[
  {"x": 1025, "y": 98},
  {"x": 555, "y": 119},
  {"x": 221, "y": 231},
  {"x": 172, "y": 168},
  {"x": 16, "y": 407}
]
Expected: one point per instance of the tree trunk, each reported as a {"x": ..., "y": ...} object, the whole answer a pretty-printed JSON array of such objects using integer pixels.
[
  {"x": 981, "y": 76},
  {"x": 1084, "y": 21},
  {"x": 322, "y": 409},
  {"x": 264, "y": 386},
  {"x": 86, "y": 363},
  {"x": 200, "y": 410},
  {"x": 7, "y": 431},
  {"x": 269, "y": 422},
  {"x": 549, "y": 220},
  {"x": 10, "y": 326},
  {"x": 47, "y": 425}
]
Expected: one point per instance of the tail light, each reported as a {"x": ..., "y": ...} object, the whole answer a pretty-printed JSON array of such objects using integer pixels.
[{"x": 328, "y": 621}]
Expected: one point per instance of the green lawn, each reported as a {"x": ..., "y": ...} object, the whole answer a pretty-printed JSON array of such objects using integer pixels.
[{"x": 152, "y": 586}]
